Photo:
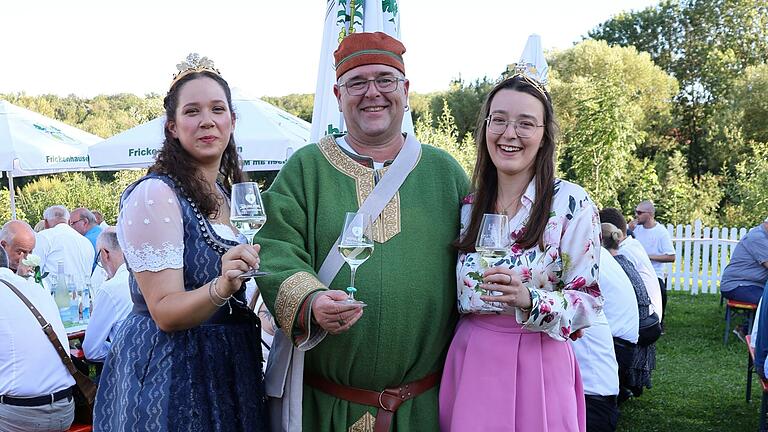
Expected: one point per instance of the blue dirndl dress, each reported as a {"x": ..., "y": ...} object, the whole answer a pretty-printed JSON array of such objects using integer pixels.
[{"x": 207, "y": 378}]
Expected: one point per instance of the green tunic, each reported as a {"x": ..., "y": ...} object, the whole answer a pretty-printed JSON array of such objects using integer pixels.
[{"x": 409, "y": 282}]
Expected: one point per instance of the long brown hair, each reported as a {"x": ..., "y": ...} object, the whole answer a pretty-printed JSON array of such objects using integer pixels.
[
  {"x": 173, "y": 160},
  {"x": 485, "y": 180}
]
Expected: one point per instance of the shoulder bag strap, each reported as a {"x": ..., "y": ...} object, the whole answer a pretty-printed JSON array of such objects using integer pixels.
[
  {"x": 85, "y": 384},
  {"x": 374, "y": 204}
]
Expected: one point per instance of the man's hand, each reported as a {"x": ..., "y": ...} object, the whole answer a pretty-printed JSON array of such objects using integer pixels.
[{"x": 334, "y": 317}]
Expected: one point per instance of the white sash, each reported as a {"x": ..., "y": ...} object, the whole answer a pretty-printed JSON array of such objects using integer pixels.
[{"x": 284, "y": 377}]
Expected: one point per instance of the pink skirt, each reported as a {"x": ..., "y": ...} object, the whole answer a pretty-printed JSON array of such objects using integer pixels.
[{"x": 501, "y": 377}]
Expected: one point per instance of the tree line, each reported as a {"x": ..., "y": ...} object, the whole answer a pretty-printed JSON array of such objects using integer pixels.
[{"x": 669, "y": 103}]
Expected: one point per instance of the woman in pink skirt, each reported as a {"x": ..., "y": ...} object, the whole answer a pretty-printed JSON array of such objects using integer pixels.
[{"x": 513, "y": 369}]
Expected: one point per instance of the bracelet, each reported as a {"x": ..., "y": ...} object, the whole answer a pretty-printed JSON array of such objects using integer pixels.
[
  {"x": 216, "y": 292},
  {"x": 212, "y": 291}
]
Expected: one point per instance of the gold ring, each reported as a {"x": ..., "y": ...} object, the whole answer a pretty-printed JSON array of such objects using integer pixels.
[{"x": 510, "y": 279}]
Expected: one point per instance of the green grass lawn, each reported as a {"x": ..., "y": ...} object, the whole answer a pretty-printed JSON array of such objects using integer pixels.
[{"x": 699, "y": 384}]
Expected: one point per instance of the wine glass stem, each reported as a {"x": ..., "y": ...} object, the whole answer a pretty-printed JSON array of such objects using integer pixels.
[{"x": 353, "y": 269}]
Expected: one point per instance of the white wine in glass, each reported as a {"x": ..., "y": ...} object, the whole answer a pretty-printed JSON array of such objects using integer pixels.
[
  {"x": 356, "y": 246},
  {"x": 493, "y": 243},
  {"x": 247, "y": 215}
]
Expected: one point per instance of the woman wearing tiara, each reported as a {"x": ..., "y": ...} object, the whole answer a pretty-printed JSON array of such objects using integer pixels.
[
  {"x": 188, "y": 358},
  {"x": 513, "y": 370}
]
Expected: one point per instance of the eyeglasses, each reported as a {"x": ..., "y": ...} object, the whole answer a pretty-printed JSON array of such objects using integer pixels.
[
  {"x": 639, "y": 212},
  {"x": 358, "y": 87},
  {"x": 75, "y": 222},
  {"x": 524, "y": 128}
]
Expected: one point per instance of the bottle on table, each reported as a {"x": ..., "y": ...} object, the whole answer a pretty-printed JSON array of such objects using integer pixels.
[
  {"x": 61, "y": 294},
  {"x": 74, "y": 299}
]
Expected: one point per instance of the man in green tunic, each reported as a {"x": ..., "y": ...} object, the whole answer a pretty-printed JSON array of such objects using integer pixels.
[{"x": 399, "y": 340}]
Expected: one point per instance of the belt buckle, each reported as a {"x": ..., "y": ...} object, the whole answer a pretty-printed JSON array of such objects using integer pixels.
[
  {"x": 402, "y": 393},
  {"x": 381, "y": 404}
]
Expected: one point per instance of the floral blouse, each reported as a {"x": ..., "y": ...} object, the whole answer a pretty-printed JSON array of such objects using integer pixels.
[{"x": 563, "y": 278}]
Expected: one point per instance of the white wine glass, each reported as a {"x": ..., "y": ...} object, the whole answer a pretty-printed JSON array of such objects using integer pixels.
[
  {"x": 247, "y": 215},
  {"x": 356, "y": 246},
  {"x": 493, "y": 244}
]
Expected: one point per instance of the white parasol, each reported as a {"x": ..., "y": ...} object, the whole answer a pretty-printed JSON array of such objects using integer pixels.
[{"x": 33, "y": 144}]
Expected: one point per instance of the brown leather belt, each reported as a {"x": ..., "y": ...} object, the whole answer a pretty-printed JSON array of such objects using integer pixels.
[{"x": 387, "y": 401}]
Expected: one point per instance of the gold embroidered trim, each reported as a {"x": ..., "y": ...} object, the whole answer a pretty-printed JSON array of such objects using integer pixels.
[
  {"x": 364, "y": 424},
  {"x": 387, "y": 225},
  {"x": 290, "y": 296},
  {"x": 341, "y": 161}
]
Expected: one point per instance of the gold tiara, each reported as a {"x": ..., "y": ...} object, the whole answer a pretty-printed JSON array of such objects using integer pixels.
[
  {"x": 194, "y": 63},
  {"x": 529, "y": 74}
]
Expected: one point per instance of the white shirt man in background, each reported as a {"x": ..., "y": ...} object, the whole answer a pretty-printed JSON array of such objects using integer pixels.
[
  {"x": 59, "y": 243},
  {"x": 35, "y": 386},
  {"x": 112, "y": 303},
  {"x": 656, "y": 242}
]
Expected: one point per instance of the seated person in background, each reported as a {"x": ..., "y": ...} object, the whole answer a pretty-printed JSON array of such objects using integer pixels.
[
  {"x": 82, "y": 220},
  {"x": 745, "y": 275},
  {"x": 620, "y": 303},
  {"x": 18, "y": 240},
  {"x": 635, "y": 364},
  {"x": 35, "y": 387},
  {"x": 599, "y": 374},
  {"x": 611, "y": 337},
  {"x": 635, "y": 253},
  {"x": 59, "y": 243},
  {"x": 622, "y": 314},
  {"x": 113, "y": 299}
]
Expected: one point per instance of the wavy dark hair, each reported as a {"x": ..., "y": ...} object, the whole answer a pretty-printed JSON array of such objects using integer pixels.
[
  {"x": 485, "y": 180},
  {"x": 173, "y": 160}
]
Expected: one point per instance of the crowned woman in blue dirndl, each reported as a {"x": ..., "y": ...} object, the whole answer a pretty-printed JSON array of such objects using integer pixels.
[{"x": 188, "y": 357}]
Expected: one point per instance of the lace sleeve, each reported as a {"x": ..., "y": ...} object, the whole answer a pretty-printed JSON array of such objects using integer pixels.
[{"x": 150, "y": 229}]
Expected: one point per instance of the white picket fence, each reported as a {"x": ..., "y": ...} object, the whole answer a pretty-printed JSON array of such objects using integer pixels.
[{"x": 702, "y": 254}]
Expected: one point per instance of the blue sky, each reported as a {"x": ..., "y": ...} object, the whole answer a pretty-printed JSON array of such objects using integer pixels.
[{"x": 88, "y": 47}]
